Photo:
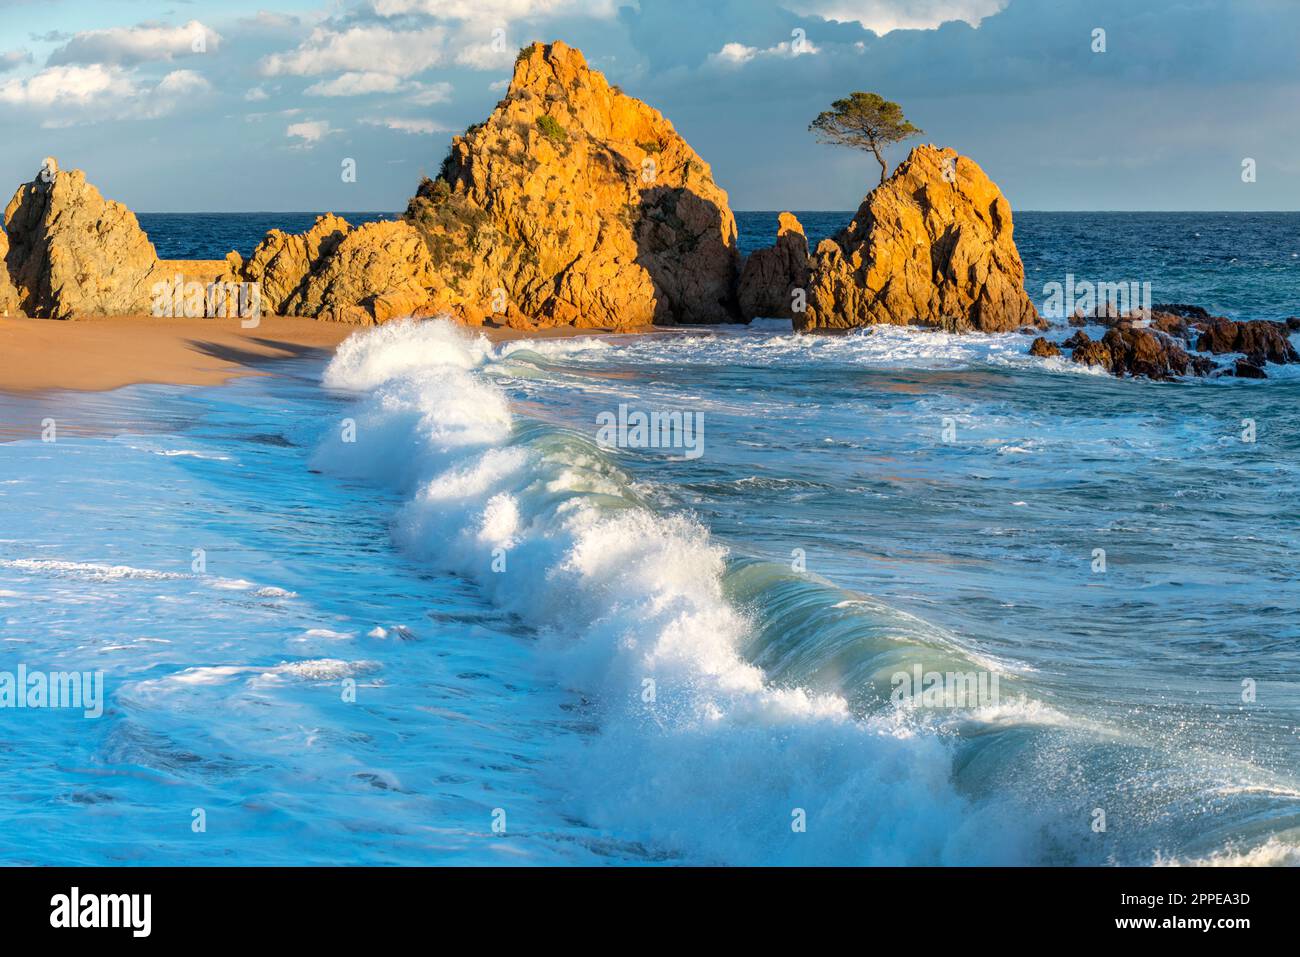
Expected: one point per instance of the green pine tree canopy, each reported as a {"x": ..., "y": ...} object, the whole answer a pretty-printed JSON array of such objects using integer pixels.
[{"x": 865, "y": 121}]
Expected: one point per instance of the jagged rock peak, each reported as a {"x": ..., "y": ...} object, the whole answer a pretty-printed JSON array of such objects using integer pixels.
[{"x": 574, "y": 203}]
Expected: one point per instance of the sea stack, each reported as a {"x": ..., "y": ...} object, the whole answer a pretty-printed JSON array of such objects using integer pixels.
[
  {"x": 931, "y": 246},
  {"x": 73, "y": 252},
  {"x": 574, "y": 203},
  {"x": 774, "y": 278}
]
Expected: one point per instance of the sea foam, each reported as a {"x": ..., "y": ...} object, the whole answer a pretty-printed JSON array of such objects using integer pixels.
[{"x": 696, "y": 752}]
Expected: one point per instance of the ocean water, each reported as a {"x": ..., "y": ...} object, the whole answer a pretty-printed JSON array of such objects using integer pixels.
[
  {"x": 212, "y": 235},
  {"x": 407, "y": 606}
]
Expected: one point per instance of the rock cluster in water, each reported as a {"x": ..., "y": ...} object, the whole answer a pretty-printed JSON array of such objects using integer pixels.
[{"x": 1175, "y": 341}]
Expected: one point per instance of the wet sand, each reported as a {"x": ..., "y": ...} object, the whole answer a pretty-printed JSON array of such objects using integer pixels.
[{"x": 108, "y": 352}]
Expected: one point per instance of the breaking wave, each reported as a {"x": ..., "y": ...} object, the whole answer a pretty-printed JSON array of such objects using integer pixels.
[{"x": 741, "y": 711}]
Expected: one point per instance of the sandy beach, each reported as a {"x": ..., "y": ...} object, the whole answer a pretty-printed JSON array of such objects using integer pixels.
[{"x": 108, "y": 352}]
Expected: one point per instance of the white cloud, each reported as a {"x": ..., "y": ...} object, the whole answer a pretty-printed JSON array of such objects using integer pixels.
[
  {"x": 70, "y": 95},
  {"x": 414, "y": 127},
  {"x": 13, "y": 59},
  {"x": 426, "y": 94},
  {"x": 793, "y": 48},
  {"x": 468, "y": 33},
  {"x": 256, "y": 94},
  {"x": 167, "y": 96},
  {"x": 736, "y": 54},
  {"x": 128, "y": 45},
  {"x": 363, "y": 49},
  {"x": 883, "y": 16},
  {"x": 490, "y": 55},
  {"x": 182, "y": 83},
  {"x": 76, "y": 86},
  {"x": 310, "y": 132},
  {"x": 355, "y": 83},
  {"x": 360, "y": 84}
]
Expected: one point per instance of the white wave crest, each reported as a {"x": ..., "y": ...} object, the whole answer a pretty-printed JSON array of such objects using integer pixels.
[{"x": 696, "y": 752}]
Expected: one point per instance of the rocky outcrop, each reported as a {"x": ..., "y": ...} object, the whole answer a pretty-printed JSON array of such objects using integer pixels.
[
  {"x": 378, "y": 271},
  {"x": 9, "y": 305},
  {"x": 931, "y": 246},
  {"x": 1044, "y": 348},
  {"x": 1160, "y": 346},
  {"x": 282, "y": 262},
  {"x": 73, "y": 252},
  {"x": 574, "y": 203},
  {"x": 770, "y": 276},
  {"x": 1259, "y": 340},
  {"x": 369, "y": 274},
  {"x": 1133, "y": 351}
]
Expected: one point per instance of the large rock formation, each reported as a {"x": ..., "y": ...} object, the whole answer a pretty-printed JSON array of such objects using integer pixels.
[
  {"x": 9, "y": 305},
  {"x": 931, "y": 246},
  {"x": 770, "y": 276},
  {"x": 575, "y": 203},
  {"x": 73, "y": 252}
]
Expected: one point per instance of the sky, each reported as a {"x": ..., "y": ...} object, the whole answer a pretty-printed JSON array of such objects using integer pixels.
[{"x": 244, "y": 105}]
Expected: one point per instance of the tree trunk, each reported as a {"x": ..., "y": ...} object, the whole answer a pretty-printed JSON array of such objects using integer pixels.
[{"x": 883, "y": 168}]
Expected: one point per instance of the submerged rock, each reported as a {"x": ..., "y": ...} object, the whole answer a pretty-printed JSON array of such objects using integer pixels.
[
  {"x": 931, "y": 246},
  {"x": 574, "y": 203},
  {"x": 1138, "y": 352},
  {"x": 771, "y": 276},
  {"x": 1258, "y": 339},
  {"x": 1044, "y": 348},
  {"x": 73, "y": 252}
]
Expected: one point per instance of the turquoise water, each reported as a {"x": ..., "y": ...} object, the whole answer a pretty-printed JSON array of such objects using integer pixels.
[{"x": 477, "y": 635}]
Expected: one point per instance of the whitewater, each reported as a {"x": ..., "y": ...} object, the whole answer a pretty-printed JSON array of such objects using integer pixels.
[{"x": 436, "y": 622}]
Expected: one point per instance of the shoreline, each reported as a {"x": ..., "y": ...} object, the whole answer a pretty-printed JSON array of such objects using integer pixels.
[{"x": 101, "y": 353}]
